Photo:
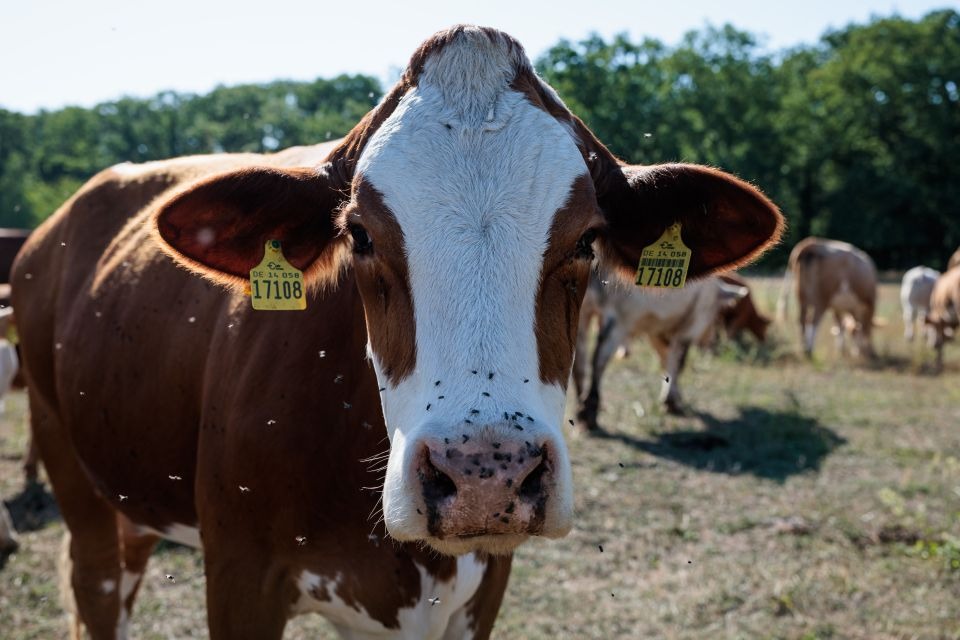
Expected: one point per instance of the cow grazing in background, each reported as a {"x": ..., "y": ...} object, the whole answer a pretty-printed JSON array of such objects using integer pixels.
[
  {"x": 445, "y": 246},
  {"x": 944, "y": 315},
  {"x": 672, "y": 320},
  {"x": 954, "y": 260},
  {"x": 915, "y": 290},
  {"x": 743, "y": 315},
  {"x": 832, "y": 276}
]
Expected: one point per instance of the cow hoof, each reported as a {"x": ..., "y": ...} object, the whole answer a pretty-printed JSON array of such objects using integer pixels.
[
  {"x": 587, "y": 421},
  {"x": 673, "y": 407}
]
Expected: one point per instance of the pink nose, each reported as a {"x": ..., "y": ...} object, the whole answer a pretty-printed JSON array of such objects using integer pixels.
[{"x": 480, "y": 487}]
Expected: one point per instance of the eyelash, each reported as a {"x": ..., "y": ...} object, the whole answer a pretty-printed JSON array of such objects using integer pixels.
[
  {"x": 362, "y": 244},
  {"x": 584, "y": 249}
]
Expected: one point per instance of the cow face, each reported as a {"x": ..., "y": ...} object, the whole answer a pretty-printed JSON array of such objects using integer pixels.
[{"x": 472, "y": 202}]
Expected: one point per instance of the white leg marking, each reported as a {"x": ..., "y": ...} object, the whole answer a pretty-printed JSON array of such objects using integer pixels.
[
  {"x": 128, "y": 582},
  {"x": 180, "y": 533},
  {"x": 809, "y": 335}
]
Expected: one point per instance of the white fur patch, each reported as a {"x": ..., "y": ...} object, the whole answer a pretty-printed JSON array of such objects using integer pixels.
[
  {"x": 180, "y": 533},
  {"x": 128, "y": 582},
  {"x": 108, "y": 586},
  {"x": 474, "y": 175},
  {"x": 439, "y": 613}
]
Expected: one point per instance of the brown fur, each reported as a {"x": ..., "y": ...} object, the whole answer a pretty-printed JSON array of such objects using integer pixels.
[
  {"x": 563, "y": 284},
  {"x": 944, "y": 315},
  {"x": 838, "y": 276},
  {"x": 384, "y": 284},
  {"x": 743, "y": 316}
]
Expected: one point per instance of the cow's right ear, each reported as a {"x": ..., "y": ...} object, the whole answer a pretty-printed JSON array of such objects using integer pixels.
[{"x": 219, "y": 226}]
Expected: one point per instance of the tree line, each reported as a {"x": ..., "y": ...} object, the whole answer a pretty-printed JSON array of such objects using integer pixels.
[{"x": 856, "y": 137}]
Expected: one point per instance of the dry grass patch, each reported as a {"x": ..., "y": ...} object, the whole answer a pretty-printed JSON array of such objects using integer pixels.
[{"x": 795, "y": 500}]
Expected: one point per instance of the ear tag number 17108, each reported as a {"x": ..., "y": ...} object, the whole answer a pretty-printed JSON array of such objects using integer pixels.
[
  {"x": 665, "y": 263},
  {"x": 275, "y": 284}
]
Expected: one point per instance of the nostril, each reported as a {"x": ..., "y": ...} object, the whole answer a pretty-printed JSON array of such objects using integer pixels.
[
  {"x": 532, "y": 487},
  {"x": 437, "y": 486}
]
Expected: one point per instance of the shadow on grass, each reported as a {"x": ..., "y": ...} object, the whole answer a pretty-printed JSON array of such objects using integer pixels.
[
  {"x": 768, "y": 444},
  {"x": 33, "y": 508}
]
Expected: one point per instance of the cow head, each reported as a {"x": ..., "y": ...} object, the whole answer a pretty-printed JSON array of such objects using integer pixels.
[{"x": 469, "y": 203}]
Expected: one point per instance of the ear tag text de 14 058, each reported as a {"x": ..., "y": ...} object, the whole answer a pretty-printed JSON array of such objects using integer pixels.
[
  {"x": 665, "y": 263},
  {"x": 275, "y": 284}
]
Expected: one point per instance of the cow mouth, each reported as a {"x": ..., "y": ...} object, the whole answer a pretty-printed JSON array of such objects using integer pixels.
[{"x": 500, "y": 544}]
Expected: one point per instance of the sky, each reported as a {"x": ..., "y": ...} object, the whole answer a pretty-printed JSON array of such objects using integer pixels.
[{"x": 75, "y": 52}]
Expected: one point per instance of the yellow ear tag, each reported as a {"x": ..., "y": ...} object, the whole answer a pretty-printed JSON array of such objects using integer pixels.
[
  {"x": 665, "y": 263},
  {"x": 275, "y": 284}
]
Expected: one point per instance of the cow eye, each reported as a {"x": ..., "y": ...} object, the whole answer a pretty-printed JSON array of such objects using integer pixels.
[
  {"x": 362, "y": 244},
  {"x": 584, "y": 248}
]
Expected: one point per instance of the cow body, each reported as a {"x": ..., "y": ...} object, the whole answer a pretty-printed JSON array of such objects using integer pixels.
[
  {"x": 215, "y": 453},
  {"x": 672, "y": 321},
  {"x": 944, "y": 315},
  {"x": 833, "y": 276},
  {"x": 445, "y": 245},
  {"x": 915, "y": 290}
]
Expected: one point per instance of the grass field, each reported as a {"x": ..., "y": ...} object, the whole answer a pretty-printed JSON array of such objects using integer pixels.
[{"x": 795, "y": 500}]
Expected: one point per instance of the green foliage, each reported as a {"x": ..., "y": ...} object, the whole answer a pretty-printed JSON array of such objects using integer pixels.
[
  {"x": 45, "y": 158},
  {"x": 856, "y": 137}
]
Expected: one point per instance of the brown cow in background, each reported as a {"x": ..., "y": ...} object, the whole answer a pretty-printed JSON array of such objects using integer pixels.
[
  {"x": 837, "y": 276},
  {"x": 944, "y": 315},
  {"x": 743, "y": 315},
  {"x": 954, "y": 260}
]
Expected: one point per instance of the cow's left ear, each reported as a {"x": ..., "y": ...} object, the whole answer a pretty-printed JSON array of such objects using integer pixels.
[
  {"x": 219, "y": 226},
  {"x": 725, "y": 221}
]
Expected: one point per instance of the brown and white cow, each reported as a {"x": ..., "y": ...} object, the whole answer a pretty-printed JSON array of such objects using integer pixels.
[
  {"x": 672, "y": 320},
  {"x": 832, "y": 276},
  {"x": 944, "y": 314},
  {"x": 448, "y": 241},
  {"x": 743, "y": 315}
]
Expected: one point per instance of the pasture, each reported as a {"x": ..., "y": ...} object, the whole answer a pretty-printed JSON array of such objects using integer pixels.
[{"x": 794, "y": 500}]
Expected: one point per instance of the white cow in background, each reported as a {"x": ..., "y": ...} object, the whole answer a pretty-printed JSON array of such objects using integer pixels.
[
  {"x": 915, "y": 290},
  {"x": 671, "y": 319}
]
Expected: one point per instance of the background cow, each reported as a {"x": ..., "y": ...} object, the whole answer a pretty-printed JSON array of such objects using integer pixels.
[
  {"x": 954, "y": 260},
  {"x": 445, "y": 246},
  {"x": 944, "y": 315},
  {"x": 832, "y": 276},
  {"x": 743, "y": 314},
  {"x": 915, "y": 290},
  {"x": 672, "y": 320}
]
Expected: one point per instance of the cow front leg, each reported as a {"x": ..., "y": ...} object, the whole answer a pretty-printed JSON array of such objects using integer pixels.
[
  {"x": 247, "y": 597},
  {"x": 609, "y": 337},
  {"x": 670, "y": 388},
  {"x": 810, "y": 330},
  {"x": 909, "y": 321},
  {"x": 90, "y": 556}
]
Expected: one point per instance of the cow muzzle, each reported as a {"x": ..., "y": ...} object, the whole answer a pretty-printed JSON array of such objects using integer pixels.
[{"x": 484, "y": 487}]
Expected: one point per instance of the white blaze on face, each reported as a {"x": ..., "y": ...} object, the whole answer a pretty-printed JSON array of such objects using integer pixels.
[{"x": 474, "y": 175}]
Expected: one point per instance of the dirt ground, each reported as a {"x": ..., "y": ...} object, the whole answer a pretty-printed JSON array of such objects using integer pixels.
[{"x": 794, "y": 500}]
